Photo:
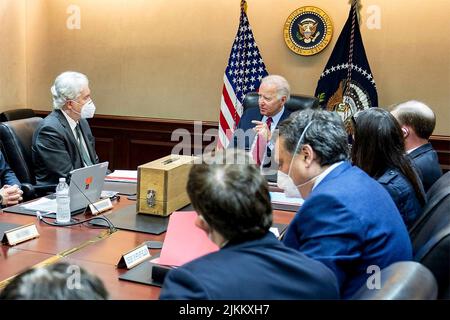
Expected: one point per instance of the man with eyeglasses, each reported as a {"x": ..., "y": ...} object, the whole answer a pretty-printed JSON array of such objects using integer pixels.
[
  {"x": 257, "y": 124},
  {"x": 64, "y": 141}
]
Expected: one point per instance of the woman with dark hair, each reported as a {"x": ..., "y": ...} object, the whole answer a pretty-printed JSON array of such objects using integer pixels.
[{"x": 378, "y": 149}]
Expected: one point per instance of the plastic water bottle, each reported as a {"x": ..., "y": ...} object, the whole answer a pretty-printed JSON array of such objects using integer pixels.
[{"x": 62, "y": 202}]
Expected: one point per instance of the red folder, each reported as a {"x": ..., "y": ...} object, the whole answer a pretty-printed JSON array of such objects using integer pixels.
[{"x": 184, "y": 241}]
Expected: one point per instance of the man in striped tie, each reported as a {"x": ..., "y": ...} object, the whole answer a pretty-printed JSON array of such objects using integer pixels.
[{"x": 262, "y": 121}]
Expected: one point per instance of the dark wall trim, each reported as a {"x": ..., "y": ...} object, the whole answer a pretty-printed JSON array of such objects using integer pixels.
[{"x": 127, "y": 142}]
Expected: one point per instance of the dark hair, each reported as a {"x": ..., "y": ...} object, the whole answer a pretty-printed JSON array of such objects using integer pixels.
[
  {"x": 55, "y": 282},
  {"x": 416, "y": 115},
  {"x": 326, "y": 135},
  {"x": 233, "y": 198},
  {"x": 379, "y": 145}
]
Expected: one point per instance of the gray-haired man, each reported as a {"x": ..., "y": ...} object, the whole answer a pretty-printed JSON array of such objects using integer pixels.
[{"x": 64, "y": 141}]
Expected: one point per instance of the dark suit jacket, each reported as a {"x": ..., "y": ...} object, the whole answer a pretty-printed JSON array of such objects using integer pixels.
[
  {"x": 403, "y": 194},
  {"x": 55, "y": 150},
  {"x": 257, "y": 269},
  {"x": 7, "y": 176},
  {"x": 349, "y": 222},
  {"x": 426, "y": 161},
  {"x": 246, "y": 123}
]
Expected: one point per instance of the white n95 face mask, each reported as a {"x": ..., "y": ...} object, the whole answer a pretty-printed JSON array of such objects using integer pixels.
[
  {"x": 284, "y": 181},
  {"x": 88, "y": 110},
  {"x": 287, "y": 184}
]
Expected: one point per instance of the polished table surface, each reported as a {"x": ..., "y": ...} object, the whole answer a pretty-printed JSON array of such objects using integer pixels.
[{"x": 92, "y": 248}]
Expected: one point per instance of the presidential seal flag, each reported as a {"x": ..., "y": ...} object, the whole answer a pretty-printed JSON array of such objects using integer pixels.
[
  {"x": 243, "y": 74},
  {"x": 347, "y": 84}
]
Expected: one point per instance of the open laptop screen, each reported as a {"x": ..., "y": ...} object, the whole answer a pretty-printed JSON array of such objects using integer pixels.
[{"x": 86, "y": 185}]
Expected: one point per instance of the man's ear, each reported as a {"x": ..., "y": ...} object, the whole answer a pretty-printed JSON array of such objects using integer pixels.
[
  {"x": 405, "y": 131},
  {"x": 201, "y": 223},
  {"x": 307, "y": 154}
]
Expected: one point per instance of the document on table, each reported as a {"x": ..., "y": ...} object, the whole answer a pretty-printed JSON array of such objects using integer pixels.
[
  {"x": 280, "y": 197},
  {"x": 43, "y": 204},
  {"x": 129, "y": 176}
]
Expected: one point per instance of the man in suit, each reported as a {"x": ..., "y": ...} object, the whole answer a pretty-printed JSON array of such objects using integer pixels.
[
  {"x": 348, "y": 220},
  {"x": 64, "y": 141},
  {"x": 233, "y": 205},
  {"x": 260, "y": 123},
  {"x": 418, "y": 121},
  {"x": 10, "y": 193}
]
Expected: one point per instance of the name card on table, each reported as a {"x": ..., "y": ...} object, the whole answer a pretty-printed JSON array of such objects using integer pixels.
[
  {"x": 134, "y": 257},
  {"x": 100, "y": 206},
  {"x": 20, "y": 234}
]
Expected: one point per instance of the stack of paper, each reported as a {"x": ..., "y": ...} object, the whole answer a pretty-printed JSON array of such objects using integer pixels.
[{"x": 129, "y": 176}]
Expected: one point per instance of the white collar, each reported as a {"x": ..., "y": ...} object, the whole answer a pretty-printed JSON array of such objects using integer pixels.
[
  {"x": 322, "y": 176},
  {"x": 72, "y": 123},
  {"x": 275, "y": 119}
]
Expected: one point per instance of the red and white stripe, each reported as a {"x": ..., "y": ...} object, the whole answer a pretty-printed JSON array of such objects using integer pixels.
[{"x": 230, "y": 114}]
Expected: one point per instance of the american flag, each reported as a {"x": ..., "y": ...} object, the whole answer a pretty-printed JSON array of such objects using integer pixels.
[{"x": 243, "y": 74}]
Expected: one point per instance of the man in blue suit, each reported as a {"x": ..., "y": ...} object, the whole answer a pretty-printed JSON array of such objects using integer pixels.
[
  {"x": 10, "y": 193},
  {"x": 418, "y": 121},
  {"x": 348, "y": 220},
  {"x": 273, "y": 92},
  {"x": 234, "y": 209}
]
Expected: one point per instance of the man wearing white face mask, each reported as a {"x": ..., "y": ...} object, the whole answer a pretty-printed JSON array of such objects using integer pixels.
[
  {"x": 348, "y": 220},
  {"x": 64, "y": 141}
]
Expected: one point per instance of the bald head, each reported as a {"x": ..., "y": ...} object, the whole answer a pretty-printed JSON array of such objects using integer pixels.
[{"x": 417, "y": 116}]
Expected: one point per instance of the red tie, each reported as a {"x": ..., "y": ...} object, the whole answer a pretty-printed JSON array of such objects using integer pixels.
[{"x": 261, "y": 144}]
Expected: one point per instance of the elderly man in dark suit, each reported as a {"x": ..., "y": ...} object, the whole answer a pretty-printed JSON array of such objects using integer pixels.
[
  {"x": 418, "y": 121},
  {"x": 261, "y": 122},
  {"x": 348, "y": 220},
  {"x": 64, "y": 141},
  {"x": 233, "y": 205}
]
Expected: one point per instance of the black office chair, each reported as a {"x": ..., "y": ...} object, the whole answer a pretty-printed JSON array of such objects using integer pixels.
[
  {"x": 431, "y": 241},
  {"x": 16, "y": 114},
  {"x": 16, "y": 141},
  {"x": 295, "y": 103},
  {"x": 439, "y": 185},
  {"x": 405, "y": 280}
]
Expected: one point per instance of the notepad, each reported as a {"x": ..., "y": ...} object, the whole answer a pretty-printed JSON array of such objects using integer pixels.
[
  {"x": 280, "y": 197},
  {"x": 184, "y": 241}
]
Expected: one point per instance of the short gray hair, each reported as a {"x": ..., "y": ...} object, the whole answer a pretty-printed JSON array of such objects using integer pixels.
[
  {"x": 283, "y": 88},
  {"x": 67, "y": 86},
  {"x": 326, "y": 134}
]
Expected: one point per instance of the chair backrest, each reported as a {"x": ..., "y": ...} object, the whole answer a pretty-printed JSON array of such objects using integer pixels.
[
  {"x": 431, "y": 243},
  {"x": 406, "y": 280},
  {"x": 440, "y": 184},
  {"x": 16, "y": 114},
  {"x": 16, "y": 138},
  {"x": 295, "y": 103}
]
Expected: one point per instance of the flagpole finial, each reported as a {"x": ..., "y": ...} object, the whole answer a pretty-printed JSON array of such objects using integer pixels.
[
  {"x": 244, "y": 6},
  {"x": 358, "y": 7}
]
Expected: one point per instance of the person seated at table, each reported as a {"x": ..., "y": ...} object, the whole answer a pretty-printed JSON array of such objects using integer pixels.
[
  {"x": 10, "y": 192},
  {"x": 233, "y": 205},
  {"x": 348, "y": 220},
  {"x": 378, "y": 149},
  {"x": 64, "y": 141},
  {"x": 60, "y": 281},
  {"x": 417, "y": 121}
]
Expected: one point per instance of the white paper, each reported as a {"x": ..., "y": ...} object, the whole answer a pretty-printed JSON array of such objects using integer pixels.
[
  {"x": 275, "y": 231},
  {"x": 280, "y": 197},
  {"x": 44, "y": 205},
  {"x": 123, "y": 176}
]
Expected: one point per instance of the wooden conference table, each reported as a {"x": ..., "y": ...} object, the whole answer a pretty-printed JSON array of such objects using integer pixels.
[{"x": 92, "y": 248}]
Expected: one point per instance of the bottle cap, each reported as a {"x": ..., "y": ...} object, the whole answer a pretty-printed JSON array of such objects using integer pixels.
[{"x": 62, "y": 179}]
